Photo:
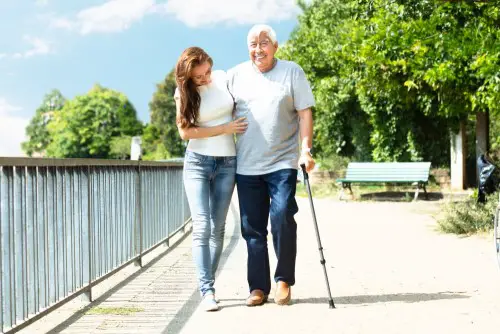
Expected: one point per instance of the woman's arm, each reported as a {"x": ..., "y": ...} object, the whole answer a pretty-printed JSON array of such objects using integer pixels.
[{"x": 194, "y": 132}]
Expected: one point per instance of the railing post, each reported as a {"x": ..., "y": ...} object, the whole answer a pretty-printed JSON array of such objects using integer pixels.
[
  {"x": 168, "y": 214},
  {"x": 138, "y": 183},
  {"x": 88, "y": 293}
]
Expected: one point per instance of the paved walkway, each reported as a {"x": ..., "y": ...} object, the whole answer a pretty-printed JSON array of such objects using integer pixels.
[{"x": 390, "y": 272}]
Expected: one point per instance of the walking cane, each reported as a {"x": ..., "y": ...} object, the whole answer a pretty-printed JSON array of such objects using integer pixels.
[{"x": 306, "y": 183}]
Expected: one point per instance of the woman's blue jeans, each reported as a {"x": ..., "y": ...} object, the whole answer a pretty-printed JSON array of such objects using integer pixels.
[{"x": 209, "y": 183}]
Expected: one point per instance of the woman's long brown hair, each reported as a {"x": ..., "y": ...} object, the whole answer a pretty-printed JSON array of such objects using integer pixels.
[{"x": 189, "y": 96}]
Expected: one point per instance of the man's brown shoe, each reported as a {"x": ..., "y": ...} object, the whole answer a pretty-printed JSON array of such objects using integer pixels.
[
  {"x": 257, "y": 297},
  {"x": 283, "y": 293}
]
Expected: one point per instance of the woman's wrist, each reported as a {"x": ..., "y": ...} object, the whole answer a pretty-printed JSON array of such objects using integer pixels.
[{"x": 224, "y": 128}]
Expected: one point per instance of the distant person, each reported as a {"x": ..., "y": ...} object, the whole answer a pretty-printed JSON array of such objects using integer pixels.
[
  {"x": 204, "y": 117},
  {"x": 276, "y": 99}
]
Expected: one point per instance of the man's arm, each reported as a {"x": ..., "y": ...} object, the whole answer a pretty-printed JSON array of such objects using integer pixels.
[{"x": 306, "y": 134}]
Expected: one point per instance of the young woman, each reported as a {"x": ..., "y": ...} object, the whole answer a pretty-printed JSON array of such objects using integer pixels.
[{"x": 204, "y": 117}]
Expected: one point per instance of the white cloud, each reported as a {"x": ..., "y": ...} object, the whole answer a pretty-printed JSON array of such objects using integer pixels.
[
  {"x": 196, "y": 13},
  {"x": 2, "y": 55},
  {"x": 38, "y": 47},
  {"x": 112, "y": 16},
  {"x": 118, "y": 15},
  {"x": 12, "y": 129}
]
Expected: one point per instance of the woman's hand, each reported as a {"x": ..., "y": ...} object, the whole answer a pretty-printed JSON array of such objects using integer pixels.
[{"x": 237, "y": 126}]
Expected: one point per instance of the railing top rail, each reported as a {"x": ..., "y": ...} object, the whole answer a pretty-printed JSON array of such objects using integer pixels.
[{"x": 48, "y": 162}]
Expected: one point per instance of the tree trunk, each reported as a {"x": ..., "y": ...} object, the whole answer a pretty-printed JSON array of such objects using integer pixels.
[
  {"x": 458, "y": 158},
  {"x": 482, "y": 135}
]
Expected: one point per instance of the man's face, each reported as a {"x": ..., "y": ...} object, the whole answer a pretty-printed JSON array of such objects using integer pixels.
[
  {"x": 262, "y": 51},
  {"x": 201, "y": 74}
]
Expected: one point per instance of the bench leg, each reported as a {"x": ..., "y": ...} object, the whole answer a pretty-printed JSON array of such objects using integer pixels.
[
  {"x": 350, "y": 190},
  {"x": 421, "y": 186},
  {"x": 416, "y": 193},
  {"x": 425, "y": 192},
  {"x": 344, "y": 186}
]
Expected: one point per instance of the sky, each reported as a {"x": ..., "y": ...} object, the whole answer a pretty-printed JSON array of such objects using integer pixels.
[{"x": 127, "y": 45}]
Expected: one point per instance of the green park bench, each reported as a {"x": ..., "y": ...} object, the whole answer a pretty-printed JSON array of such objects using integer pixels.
[{"x": 416, "y": 173}]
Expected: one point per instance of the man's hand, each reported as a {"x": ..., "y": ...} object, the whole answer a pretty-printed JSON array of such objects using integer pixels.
[{"x": 307, "y": 160}]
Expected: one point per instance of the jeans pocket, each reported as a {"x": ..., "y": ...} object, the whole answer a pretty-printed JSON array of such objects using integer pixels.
[
  {"x": 230, "y": 161},
  {"x": 195, "y": 158}
]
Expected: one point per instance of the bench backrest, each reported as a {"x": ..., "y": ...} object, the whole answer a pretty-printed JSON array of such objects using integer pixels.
[{"x": 389, "y": 171}]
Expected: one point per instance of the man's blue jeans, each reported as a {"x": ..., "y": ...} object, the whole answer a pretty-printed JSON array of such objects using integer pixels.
[
  {"x": 260, "y": 197},
  {"x": 209, "y": 183}
]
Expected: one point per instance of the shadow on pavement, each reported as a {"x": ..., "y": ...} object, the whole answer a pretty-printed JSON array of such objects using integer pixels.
[
  {"x": 182, "y": 316},
  {"x": 386, "y": 298},
  {"x": 359, "y": 300},
  {"x": 98, "y": 301},
  {"x": 400, "y": 196}
]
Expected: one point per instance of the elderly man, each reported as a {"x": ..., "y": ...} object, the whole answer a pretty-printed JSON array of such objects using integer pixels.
[{"x": 276, "y": 98}]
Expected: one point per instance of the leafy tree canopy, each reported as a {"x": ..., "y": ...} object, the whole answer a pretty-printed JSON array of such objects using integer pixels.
[
  {"x": 86, "y": 125},
  {"x": 392, "y": 77}
]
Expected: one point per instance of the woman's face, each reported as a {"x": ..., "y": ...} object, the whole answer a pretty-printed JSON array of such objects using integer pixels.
[{"x": 201, "y": 74}]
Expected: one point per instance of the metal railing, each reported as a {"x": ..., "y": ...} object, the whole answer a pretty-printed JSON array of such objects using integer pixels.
[{"x": 68, "y": 224}]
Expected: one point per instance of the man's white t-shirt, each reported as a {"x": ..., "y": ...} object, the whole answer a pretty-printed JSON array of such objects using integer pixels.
[{"x": 216, "y": 108}]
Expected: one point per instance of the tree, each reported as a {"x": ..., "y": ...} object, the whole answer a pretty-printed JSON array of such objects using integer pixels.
[
  {"x": 404, "y": 71},
  {"x": 36, "y": 131},
  {"x": 120, "y": 147},
  {"x": 161, "y": 137},
  {"x": 341, "y": 126},
  {"x": 86, "y": 125},
  {"x": 495, "y": 142}
]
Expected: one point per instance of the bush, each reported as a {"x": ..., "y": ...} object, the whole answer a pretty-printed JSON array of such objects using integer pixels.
[
  {"x": 120, "y": 147},
  {"x": 469, "y": 217},
  {"x": 333, "y": 162}
]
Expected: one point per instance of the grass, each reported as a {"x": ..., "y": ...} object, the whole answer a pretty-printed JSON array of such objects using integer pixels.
[
  {"x": 327, "y": 189},
  {"x": 114, "y": 310},
  {"x": 468, "y": 217},
  {"x": 365, "y": 192}
]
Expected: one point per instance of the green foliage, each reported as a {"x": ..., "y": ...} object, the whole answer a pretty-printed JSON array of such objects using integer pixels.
[
  {"x": 120, "y": 147},
  {"x": 468, "y": 217},
  {"x": 161, "y": 138},
  {"x": 36, "y": 131},
  {"x": 495, "y": 138},
  {"x": 333, "y": 163},
  {"x": 153, "y": 147},
  {"x": 392, "y": 77},
  {"x": 86, "y": 125}
]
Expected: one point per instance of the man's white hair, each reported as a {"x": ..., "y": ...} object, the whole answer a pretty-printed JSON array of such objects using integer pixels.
[{"x": 257, "y": 29}]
